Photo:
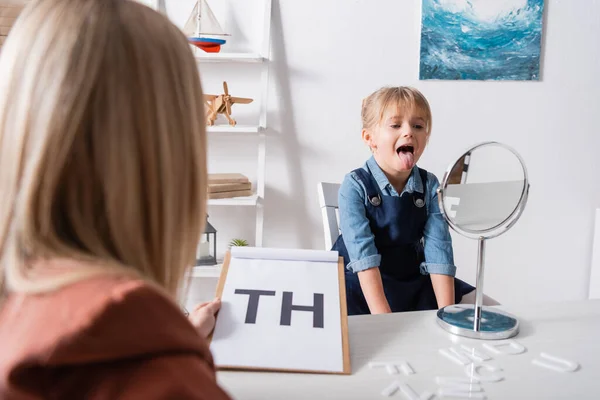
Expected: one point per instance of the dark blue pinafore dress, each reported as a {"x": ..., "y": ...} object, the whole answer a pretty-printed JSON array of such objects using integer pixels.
[{"x": 397, "y": 223}]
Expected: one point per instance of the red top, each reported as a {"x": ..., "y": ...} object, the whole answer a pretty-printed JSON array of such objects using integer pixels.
[{"x": 102, "y": 338}]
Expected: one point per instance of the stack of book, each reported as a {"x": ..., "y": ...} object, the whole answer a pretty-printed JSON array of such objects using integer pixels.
[{"x": 225, "y": 186}]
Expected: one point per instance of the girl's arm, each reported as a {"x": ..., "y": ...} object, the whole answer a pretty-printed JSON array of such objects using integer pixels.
[
  {"x": 360, "y": 243},
  {"x": 443, "y": 286},
  {"x": 439, "y": 257},
  {"x": 372, "y": 287}
]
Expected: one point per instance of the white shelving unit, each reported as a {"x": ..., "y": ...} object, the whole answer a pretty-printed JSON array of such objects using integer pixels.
[
  {"x": 262, "y": 58},
  {"x": 235, "y": 201},
  {"x": 212, "y": 271},
  {"x": 230, "y": 57},
  {"x": 233, "y": 129}
]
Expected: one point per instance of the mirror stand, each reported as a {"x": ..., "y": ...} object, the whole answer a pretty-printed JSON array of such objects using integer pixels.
[
  {"x": 475, "y": 320},
  {"x": 482, "y": 195}
]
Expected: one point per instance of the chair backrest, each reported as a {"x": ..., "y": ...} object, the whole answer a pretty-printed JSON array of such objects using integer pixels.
[{"x": 328, "y": 201}]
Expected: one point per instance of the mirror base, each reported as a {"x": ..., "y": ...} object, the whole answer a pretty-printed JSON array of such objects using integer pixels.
[{"x": 495, "y": 324}]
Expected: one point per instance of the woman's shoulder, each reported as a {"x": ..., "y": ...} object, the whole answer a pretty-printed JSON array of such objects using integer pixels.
[
  {"x": 100, "y": 319},
  {"x": 113, "y": 335}
]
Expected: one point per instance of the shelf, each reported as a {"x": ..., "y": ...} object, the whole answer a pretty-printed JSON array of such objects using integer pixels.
[
  {"x": 230, "y": 57},
  {"x": 234, "y": 129},
  {"x": 235, "y": 201},
  {"x": 259, "y": 59},
  {"x": 206, "y": 271}
]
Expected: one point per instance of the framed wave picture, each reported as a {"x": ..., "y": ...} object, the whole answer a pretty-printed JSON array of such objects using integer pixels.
[{"x": 481, "y": 39}]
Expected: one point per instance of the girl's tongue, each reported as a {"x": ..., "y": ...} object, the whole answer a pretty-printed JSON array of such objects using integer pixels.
[{"x": 407, "y": 158}]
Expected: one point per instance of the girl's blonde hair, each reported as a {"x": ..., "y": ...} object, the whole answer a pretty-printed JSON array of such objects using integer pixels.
[
  {"x": 102, "y": 145},
  {"x": 403, "y": 98}
]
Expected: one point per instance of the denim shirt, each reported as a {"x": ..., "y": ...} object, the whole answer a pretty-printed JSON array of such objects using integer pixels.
[{"x": 358, "y": 238}]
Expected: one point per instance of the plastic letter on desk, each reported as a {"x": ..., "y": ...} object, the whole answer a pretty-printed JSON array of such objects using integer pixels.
[
  {"x": 451, "y": 386},
  {"x": 454, "y": 356},
  {"x": 392, "y": 367},
  {"x": 406, "y": 368},
  {"x": 391, "y": 389},
  {"x": 407, "y": 391},
  {"x": 459, "y": 380},
  {"x": 464, "y": 355},
  {"x": 505, "y": 347},
  {"x": 410, "y": 394},
  {"x": 461, "y": 394},
  {"x": 473, "y": 371},
  {"x": 473, "y": 354},
  {"x": 557, "y": 364}
]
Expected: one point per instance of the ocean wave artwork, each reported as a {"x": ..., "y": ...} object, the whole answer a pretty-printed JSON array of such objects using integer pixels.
[{"x": 481, "y": 39}]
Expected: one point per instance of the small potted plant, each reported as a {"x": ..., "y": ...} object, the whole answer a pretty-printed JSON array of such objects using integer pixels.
[{"x": 238, "y": 243}]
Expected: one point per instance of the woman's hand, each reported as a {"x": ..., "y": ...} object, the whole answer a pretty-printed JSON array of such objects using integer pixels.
[{"x": 203, "y": 317}]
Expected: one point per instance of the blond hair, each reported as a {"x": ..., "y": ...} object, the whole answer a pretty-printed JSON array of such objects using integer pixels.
[
  {"x": 403, "y": 98},
  {"x": 102, "y": 145}
]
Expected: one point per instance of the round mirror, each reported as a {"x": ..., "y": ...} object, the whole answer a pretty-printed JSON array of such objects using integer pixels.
[
  {"x": 484, "y": 192},
  {"x": 481, "y": 196}
]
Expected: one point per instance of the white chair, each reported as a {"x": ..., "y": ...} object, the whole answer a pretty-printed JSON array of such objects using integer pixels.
[{"x": 328, "y": 201}]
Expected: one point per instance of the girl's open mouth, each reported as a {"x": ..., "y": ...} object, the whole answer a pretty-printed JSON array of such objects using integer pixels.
[
  {"x": 405, "y": 149},
  {"x": 406, "y": 156}
]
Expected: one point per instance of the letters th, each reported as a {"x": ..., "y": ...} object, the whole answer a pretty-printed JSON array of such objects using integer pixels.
[{"x": 287, "y": 306}]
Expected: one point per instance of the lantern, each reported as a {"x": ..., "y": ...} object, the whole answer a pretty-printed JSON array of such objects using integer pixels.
[{"x": 206, "y": 253}]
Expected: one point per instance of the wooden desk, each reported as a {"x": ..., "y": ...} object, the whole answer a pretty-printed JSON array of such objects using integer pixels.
[{"x": 568, "y": 330}]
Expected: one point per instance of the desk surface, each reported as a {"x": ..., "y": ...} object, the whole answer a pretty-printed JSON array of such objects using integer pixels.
[{"x": 567, "y": 330}]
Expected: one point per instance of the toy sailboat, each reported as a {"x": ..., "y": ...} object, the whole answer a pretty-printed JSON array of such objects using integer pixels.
[{"x": 203, "y": 30}]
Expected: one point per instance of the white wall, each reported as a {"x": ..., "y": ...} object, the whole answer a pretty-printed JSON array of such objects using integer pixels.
[
  {"x": 595, "y": 265},
  {"x": 327, "y": 55}
]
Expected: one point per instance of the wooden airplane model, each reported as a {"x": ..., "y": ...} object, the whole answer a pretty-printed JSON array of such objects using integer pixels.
[{"x": 221, "y": 104}]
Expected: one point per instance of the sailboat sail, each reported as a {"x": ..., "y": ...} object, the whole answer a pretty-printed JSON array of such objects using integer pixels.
[
  {"x": 203, "y": 24},
  {"x": 189, "y": 29}
]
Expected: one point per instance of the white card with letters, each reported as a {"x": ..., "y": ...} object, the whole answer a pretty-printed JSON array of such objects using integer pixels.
[{"x": 283, "y": 310}]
